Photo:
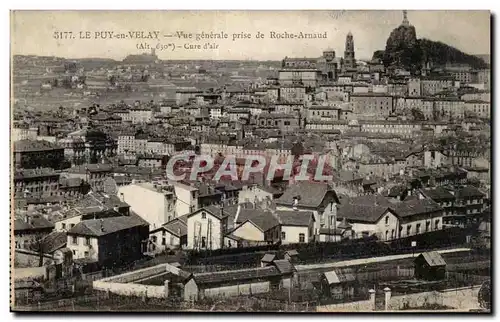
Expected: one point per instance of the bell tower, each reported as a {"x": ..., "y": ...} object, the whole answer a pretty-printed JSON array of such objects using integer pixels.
[{"x": 349, "y": 57}]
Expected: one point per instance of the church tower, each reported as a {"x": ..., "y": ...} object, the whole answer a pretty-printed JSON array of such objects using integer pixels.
[{"x": 349, "y": 58}]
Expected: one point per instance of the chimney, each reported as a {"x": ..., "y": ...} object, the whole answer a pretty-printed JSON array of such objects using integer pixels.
[
  {"x": 295, "y": 203},
  {"x": 102, "y": 225},
  {"x": 238, "y": 211}
]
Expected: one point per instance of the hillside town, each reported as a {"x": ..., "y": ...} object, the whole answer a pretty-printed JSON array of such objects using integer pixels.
[{"x": 405, "y": 209}]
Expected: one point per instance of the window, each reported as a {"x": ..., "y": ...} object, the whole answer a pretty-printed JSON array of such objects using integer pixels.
[
  {"x": 63, "y": 226},
  {"x": 163, "y": 241},
  {"x": 418, "y": 228},
  {"x": 74, "y": 252},
  {"x": 283, "y": 235},
  {"x": 387, "y": 220},
  {"x": 203, "y": 242},
  {"x": 72, "y": 225},
  {"x": 75, "y": 240},
  {"x": 203, "y": 215},
  {"x": 408, "y": 230},
  {"x": 87, "y": 241},
  {"x": 86, "y": 254},
  {"x": 427, "y": 225},
  {"x": 302, "y": 238},
  {"x": 436, "y": 224}
]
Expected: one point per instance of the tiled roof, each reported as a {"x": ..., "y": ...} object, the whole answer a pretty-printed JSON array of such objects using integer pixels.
[
  {"x": 105, "y": 226},
  {"x": 97, "y": 199},
  {"x": 284, "y": 266},
  {"x": 264, "y": 220},
  {"x": 433, "y": 258},
  {"x": 468, "y": 192},
  {"x": 415, "y": 207},
  {"x": 34, "y": 173},
  {"x": 360, "y": 212},
  {"x": 35, "y": 222},
  {"x": 438, "y": 193},
  {"x": 32, "y": 145},
  {"x": 340, "y": 275},
  {"x": 268, "y": 258},
  {"x": 368, "y": 200},
  {"x": 236, "y": 275},
  {"x": 310, "y": 194},
  {"x": 54, "y": 241},
  {"x": 177, "y": 226},
  {"x": 84, "y": 168},
  {"x": 294, "y": 217}
]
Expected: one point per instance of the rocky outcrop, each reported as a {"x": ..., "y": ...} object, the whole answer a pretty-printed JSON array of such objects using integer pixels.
[{"x": 403, "y": 49}]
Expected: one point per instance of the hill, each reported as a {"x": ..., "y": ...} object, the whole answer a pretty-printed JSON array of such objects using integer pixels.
[{"x": 403, "y": 49}]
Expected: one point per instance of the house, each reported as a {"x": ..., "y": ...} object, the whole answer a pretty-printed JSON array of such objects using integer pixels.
[
  {"x": 110, "y": 240},
  {"x": 430, "y": 266},
  {"x": 469, "y": 202},
  {"x": 161, "y": 204},
  {"x": 318, "y": 198},
  {"x": 258, "y": 192},
  {"x": 172, "y": 234},
  {"x": 273, "y": 226},
  {"x": 207, "y": 226},
  {"x": 253, "y": 224},
  {"x": 30, "y": 230},
  {"x": 418, "y": 216},
  {"x": 370, "y": 219},
  {"x": 187, "y": 198},
  {"x": 342, "y": 231},
  {"x": 294, "y": 226}
]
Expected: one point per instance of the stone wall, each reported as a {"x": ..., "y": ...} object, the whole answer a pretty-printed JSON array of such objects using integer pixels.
[
  {"x": 35, "y": 273},
  {"x": 130, "y": 289},
  {"x": 360, "y": 306},
  {"x": 28, "y": 258},
  {"x": 462, "y": 299}
]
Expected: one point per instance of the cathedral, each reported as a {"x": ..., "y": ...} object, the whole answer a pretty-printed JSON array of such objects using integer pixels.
[{"x": 297, "y": 71}]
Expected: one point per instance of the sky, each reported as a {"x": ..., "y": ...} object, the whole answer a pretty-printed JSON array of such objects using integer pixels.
[{"x": 32, "y": 32}]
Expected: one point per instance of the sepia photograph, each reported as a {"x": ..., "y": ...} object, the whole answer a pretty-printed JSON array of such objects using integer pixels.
[{"x": 293, "y": 161}]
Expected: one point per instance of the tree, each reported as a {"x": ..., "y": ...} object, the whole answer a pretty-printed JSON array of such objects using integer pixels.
[
  {"x": 417, "y": 114},
  {"x": 435, "y": 114},
  {"x": 484, "y": 295},
  {"x": 112, "y": 80}
]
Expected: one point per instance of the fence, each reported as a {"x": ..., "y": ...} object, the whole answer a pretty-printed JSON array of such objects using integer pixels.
[
  {"x": 348, "y": 249},
  {"x": 386, "y": 274},
  {"x": 465, "y": 278},
  {"x": 101, "y": 301}
]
